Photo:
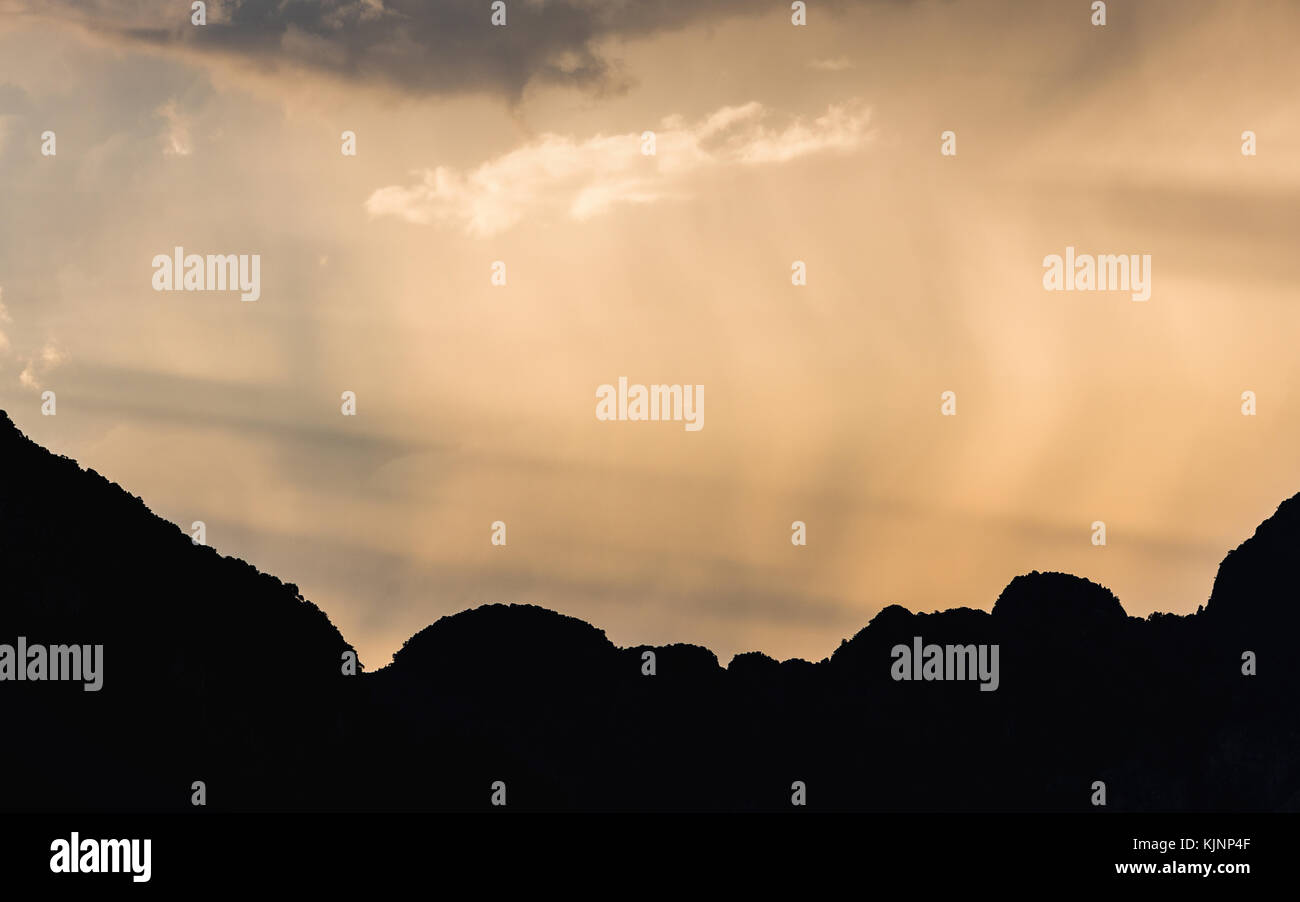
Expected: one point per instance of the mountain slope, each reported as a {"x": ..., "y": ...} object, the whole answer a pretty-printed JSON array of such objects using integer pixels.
[{"x": 211, "y": 670}]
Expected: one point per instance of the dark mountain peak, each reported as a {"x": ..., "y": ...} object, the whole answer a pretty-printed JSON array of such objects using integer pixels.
[
  {"x": 1051, "y": 599},
  {"x": 1260, "y": 578},
  {"x": 888, "y": 619},
  {"x": 867, "y": 654},
  {"x": 752, "y": 663},
  {"x": 505, "y": 637},
  {"x": 758, "y": 671},
  {"x": 682, "y": 660}
]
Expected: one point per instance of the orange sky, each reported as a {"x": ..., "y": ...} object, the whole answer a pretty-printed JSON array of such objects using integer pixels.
[{"x": 774, "y": 144}]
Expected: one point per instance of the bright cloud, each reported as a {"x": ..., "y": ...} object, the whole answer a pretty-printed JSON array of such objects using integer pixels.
[
  {"x": 176, "y": 142},
  {"x": 40, "y": 365},
  {"x": 838, "y": 64},
  {"x": 560, "y": 176}
]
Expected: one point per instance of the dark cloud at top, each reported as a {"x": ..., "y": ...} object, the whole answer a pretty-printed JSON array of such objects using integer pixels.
[{"x": 422, "y": 46}]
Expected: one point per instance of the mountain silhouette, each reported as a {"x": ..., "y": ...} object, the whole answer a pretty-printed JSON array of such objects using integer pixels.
[{"x": 215, "y": 672}]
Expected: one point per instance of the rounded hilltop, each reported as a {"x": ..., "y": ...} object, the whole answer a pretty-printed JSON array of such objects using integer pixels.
[
  {"x": 498, "y": 637},
  {"x": 1057, "y": 599}
]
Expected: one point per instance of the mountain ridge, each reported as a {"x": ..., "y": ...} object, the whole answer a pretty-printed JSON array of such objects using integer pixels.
[{"x": 1158, "y": 708}]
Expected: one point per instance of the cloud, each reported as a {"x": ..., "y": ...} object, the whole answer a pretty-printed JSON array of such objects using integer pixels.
[
  {"x": 34, "y": 366},
  {"x": 838, "y": 64},
  {"x": 422, "y": 46},
  {"x": 558, "y": 176},
  {"x": 41, "y": 365},
  {"x": 176, "y": 140}
]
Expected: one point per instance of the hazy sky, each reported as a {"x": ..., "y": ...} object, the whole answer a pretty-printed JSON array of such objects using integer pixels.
[{"x": 775, "y": 143}]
